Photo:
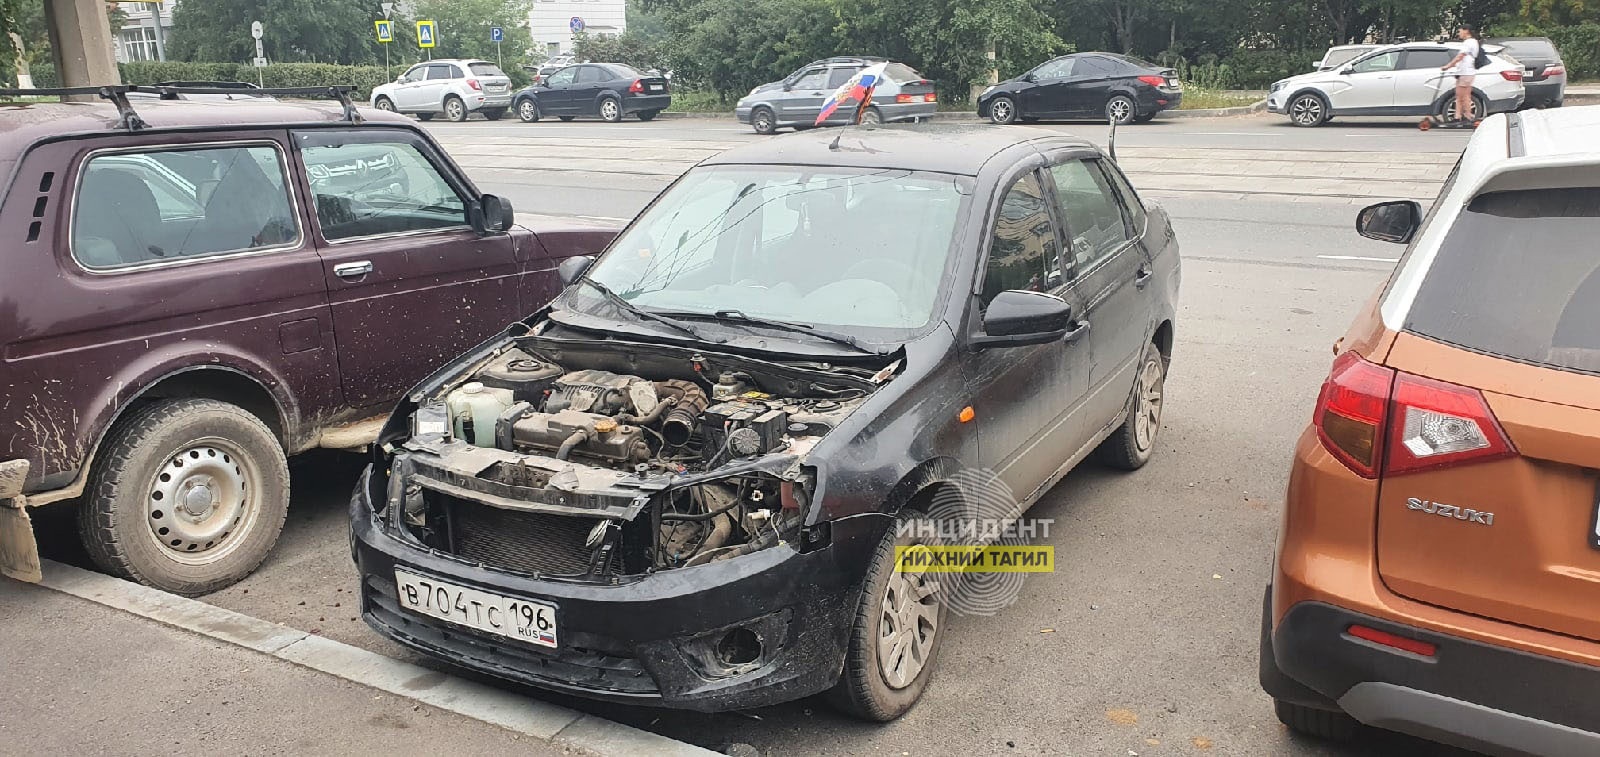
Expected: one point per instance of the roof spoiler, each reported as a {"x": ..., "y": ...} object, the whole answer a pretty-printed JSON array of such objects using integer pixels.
[{"x": 129, "y": 120}]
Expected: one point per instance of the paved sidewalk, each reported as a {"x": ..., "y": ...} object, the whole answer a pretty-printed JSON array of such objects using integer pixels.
[{"x": 132, "y": 686}]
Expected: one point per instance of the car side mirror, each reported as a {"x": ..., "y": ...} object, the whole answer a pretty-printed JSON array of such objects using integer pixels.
[
  {"x": 1393, "y": 222},
  {"x": 498, "y": 216},
  {"x": 1017, "y": 318},
  {"x": 574, "y": 267},
  {"x": 1029, "y": 77}
]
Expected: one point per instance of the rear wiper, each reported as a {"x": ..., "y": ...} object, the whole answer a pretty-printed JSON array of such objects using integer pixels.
[
  {"x": 736, "y": 316},
  {"x": 617, "y": 299}
]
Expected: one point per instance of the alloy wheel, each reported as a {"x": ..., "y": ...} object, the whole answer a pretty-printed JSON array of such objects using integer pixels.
[
  {"x": 1147, "y": 407},
  {"x": 202, "y": 502},
  {"x": 1306, "y": 111},
  {"x": 1002, "y": 111},
  {"x": 1120, "y": 109},
  {"x": 909, "y": 624},
  {"x": 455, "y": 110},
  {"x": 609, "y": 110},
  {"x": 527, "y": 111}
]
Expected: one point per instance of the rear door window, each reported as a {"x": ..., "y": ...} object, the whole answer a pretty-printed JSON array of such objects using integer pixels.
[
  {"x": 592, "y": 75},
  {"x": 1416, "y": 59},
  {"x": 838, "y": 76},
  {"x": 150, "y": 207},
  {"x": 1518, "y": 277},
  {"x": 440, "y": 71}
]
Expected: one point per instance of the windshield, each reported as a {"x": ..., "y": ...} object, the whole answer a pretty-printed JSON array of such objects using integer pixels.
[{"x": 862, "y": 249}]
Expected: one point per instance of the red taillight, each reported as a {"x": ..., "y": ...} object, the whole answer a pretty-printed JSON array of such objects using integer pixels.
[
  {"x": 1435, "y": 424},
  {"x": 1556, "y": 70},
  {"x": 1391, "y": 640},
  {"x": 1351, "y": 411},
  {"x": 473, "y": 83},
  {"x": 905, "y": 98},
  {"x": 1154, "y": 81},
  {"x": 1514, "y": 74},
  {"x": 1375, "y": 419},
  {"x": 930, "y": 98},
  {"x": 637, "y": 86}
]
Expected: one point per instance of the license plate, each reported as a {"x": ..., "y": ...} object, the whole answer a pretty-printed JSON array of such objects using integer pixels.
[
  {"x": 656, "y": 87},
  {"x": 497, "y": 88},
  {"x": 522, "y": 619}
]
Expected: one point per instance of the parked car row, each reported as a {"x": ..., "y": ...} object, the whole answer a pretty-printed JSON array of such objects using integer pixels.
[{"x": 459, "y": 88}]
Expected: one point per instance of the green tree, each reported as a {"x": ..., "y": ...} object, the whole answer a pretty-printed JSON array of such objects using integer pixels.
[
  {"x": 297, "y": 31},
  {"x": 462, "y": 27}
]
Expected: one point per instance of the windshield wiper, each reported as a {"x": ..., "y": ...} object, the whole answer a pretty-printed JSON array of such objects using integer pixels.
[
  {"x": 617, "y": 299},
  {"x": 736, "y": 316}
]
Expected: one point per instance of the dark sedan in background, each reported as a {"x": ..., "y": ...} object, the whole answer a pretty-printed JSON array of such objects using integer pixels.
[
  {"x": 607, "y": 90},
  {"x": 1544, "y": 74},
  {"x": 1084, "y": 85}
]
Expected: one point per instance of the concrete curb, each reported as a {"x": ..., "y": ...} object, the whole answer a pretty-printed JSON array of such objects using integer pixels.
[
  {"x": 544, "y": 721},
  {"x": 951, "y": 115}
]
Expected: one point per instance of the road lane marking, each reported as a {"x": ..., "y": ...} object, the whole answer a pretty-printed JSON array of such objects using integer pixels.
[
  {"x": 558, "y": 726},
  {"x": 1359, "y": 257}
]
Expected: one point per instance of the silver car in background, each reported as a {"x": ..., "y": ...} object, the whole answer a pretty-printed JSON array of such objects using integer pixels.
[{"x": 798, "y": 98}]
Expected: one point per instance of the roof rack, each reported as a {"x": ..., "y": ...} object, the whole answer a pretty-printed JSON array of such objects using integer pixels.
[{"x": 129, "y": 119}]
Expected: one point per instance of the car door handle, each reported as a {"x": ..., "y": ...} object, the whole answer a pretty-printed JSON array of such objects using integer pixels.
[
  {"x": 1078, "y": 331},
  {"x": 353, "y": 270},
  {"x": 1143, "y": 279}
]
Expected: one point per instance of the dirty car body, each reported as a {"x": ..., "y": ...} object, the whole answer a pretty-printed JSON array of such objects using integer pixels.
[{"x": 661, "y": 490}]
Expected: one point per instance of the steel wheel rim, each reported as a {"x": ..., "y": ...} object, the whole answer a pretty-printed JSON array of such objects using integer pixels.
[
  {"x": 763, "y": 121},
  {"x": 201, "y": 502},
  {"x": 1120, "y": 109},
  {"x": 526, "y": 110},
  {"x": 1307, "y": 110},
  {"x": 1147, "y": 410},
  {"x": 1002, "y": 111},
  {"x": 608, "y": 110},
  {"x": 908, "y": 624}
]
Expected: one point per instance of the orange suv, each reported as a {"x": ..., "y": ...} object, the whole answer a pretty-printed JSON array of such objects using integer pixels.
[{"x": 1438, "y": 571}]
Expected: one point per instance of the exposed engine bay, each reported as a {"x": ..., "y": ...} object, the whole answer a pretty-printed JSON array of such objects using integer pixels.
[{"x": 533, "y": 466}]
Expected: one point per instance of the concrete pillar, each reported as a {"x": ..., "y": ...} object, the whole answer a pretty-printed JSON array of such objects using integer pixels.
[{"x": 80, "y": 40}]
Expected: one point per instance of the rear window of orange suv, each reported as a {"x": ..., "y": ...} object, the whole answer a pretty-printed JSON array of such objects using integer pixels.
[{"x": 1519, "y": 277}]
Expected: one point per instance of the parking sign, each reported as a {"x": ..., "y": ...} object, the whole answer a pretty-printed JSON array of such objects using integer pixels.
[
  {"x": 425, "y": 35},
  {"x": 497, "y": 34},
  {"x": 385, "y": 30}
]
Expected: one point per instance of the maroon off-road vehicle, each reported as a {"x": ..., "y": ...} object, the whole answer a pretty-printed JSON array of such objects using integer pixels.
[{"x": 191, "y": 292}]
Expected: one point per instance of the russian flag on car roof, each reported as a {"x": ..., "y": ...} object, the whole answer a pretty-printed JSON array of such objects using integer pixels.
[{"x": 858, "y": 88}]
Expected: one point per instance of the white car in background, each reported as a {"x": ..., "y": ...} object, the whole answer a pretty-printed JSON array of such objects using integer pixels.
[
  {"x": 1397, "y": 80},
  {"x": 1339, "y": 55},
  {"x": 456, "y": 88}
]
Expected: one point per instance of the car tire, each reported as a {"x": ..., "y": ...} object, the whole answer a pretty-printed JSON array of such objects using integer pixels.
[
  {"x": 494, "y": 114},
  {"x": 1308, "y": 110},
  {"x": 135, "y": 518},
  {"x": 383, "y": 103},
  {"x": 425, "y": 116},
  {"x": 763, "y": 121},
  {"x": 610, "y": 110},
  {"x": 455, "y": 110},
  {"x": 1003, "y": 111},
  {"x": 566, "y": 118},
  {"x": 528, "y": 111},
  {"x": 1144, "y": 119},
  {"x": 1447, "y": 108},
  {"x": 1121, "y": 109},
  {"x": 1132, "y": 444},
  {"x": 872, "y": 116},
  {"x": 864, "y": 689},
  {"x": 1323, "y": 724}
]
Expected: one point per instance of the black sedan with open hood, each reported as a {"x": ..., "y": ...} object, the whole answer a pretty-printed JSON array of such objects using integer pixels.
[{"x": 684, "y": 482}]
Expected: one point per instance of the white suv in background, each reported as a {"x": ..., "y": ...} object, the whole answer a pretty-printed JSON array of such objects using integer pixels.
[
  {"x": 1397, "y": 80},
  {"x": 456, "y": 88}
]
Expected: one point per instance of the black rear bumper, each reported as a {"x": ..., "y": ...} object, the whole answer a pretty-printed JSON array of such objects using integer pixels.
[
  {"x": 651, "y": 641},
  {"x": 1469, "y": 694}
]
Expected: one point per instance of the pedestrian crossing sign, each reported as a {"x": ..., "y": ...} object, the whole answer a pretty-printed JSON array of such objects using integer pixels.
[
  {"x": 385, "y": 30},
  {"x": 425, "y": 35}
]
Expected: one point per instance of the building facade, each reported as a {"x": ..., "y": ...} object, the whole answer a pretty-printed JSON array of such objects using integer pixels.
[
  {"x": 551, "y": 22},
  {"x": 143, "y": 36}
]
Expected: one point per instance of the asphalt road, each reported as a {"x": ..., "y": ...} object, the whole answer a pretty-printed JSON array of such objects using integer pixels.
[{"x": 1144, "y": 641}]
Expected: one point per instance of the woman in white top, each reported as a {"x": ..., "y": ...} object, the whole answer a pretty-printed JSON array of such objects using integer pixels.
[{"x": 1465, "y": 67}]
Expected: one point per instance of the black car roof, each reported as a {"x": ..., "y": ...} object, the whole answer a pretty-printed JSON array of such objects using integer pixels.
[{"x": 941, "y": 148}]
